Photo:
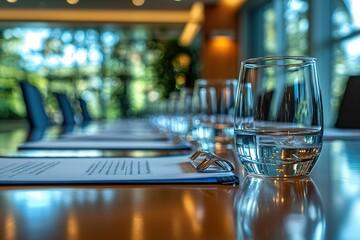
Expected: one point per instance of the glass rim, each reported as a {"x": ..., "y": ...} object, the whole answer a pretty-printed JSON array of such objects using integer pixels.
[
  {"x": 261, "y": 62},
  {"x": 214, "y": 81}
]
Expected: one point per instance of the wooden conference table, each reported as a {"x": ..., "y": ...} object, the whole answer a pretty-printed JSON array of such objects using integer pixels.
[{"x": 325, "y": 205}]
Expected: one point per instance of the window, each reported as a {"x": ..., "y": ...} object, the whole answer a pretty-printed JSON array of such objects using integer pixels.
[
  {"x": 330, "y": 32},
  {"x": 297, "y": 27},
  {"x": 113, "y": 70},
  {"x": 346, "y": 46},
  {"x": 279, "y": 27}
]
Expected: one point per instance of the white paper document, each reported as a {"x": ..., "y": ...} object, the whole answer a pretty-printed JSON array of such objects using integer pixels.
[
  {"x": 104, "y": 136},
  {"x": 174, "y": 169},
  {"x": 78, "y": 144}
]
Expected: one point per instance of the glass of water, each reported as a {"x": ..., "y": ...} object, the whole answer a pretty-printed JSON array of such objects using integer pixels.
[
  {"x": 213, "y": 106},
  {"x": 278, "y": 124}
]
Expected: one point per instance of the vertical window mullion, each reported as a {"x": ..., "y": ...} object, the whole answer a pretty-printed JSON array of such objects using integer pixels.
[
  {"x": 280, "y": 27},
  {"x": 321, "y": 48}
]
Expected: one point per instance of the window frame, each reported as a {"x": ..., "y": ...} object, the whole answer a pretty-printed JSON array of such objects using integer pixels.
[{"x": 320, "y": 40}]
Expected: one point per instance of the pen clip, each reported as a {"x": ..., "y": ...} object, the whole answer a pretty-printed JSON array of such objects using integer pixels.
[{"x": 210, "y": 163}]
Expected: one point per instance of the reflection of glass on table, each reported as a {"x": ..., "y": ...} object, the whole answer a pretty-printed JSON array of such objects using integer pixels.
[{"x": 279, "y": 208}]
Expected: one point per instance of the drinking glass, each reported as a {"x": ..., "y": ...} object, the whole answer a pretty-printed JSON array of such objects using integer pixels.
[
  {"x": 278, "y": 123},
  {"x": 184, "y": 113},
  {"x": 213, "y": 113}
]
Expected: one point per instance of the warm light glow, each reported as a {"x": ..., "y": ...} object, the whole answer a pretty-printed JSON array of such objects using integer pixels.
[
  {"x": 10, "y": 227},
  {"x": 221, "y": 41},
  {"x": 123, "y": 16},
  {"x": 222, "y": 34},
  {"x": 137, "y": 229},
  {"x": 72, "y": 227},
  {"x": 197, "y": 12},
  {"x": 184, "y": 60},
  {"x": 193, "y": 25},
  {"x": 194, "y": 213},
  {"x": 180, "y": 79},
  {"x": 72, "y": 2},
  {"x": 189, "y": 33},
  {"x": 11, "y": 1},
  {"x": 138, "y": 3},
  {"x": 233, "y": 3}
]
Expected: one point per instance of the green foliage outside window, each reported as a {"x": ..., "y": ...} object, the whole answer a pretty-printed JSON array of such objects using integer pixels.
[
  {"x": 175, "y": 68},
  {"x": 117, "y": 74}
]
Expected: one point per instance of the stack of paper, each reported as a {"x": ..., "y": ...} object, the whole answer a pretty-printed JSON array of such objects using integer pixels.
[{"x": 175, "y": 169}]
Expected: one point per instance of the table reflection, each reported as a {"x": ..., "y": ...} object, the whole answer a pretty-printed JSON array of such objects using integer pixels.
[
  {"x": 345, "y": 191},
  {"x": 127, "y": 212},
  {"x": 273, "y": 208}
]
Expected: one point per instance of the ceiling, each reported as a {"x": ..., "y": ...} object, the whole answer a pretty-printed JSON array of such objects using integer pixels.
[
  {"x": 182, "y": 5},
  {"x": 153, "y": 14},
  {"x": 163, "y": 12}
]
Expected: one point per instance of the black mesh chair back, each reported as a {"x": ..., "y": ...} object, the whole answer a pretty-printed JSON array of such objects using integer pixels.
[
  {"x": 349, "y": 111},
  {"x": 84, "y": 111},
  {"x": 35, "y": 109},
  {"x": 66, "y": 109}
]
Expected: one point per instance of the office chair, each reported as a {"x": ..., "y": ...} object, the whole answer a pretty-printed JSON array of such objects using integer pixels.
[
  {"x": 84, "y": 111},
  {"x": 349, "y": 111},
  {"x": 36, "y": 114},
  {"x": 66, "y": 109}
]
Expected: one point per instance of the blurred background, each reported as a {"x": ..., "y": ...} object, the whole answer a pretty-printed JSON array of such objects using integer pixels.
[{"x": 122, "y": 57}]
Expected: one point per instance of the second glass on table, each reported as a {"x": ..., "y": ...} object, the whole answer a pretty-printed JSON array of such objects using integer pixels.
[
  {"x": 278, "y": 116},
  {"x": 213, "y": 113}
]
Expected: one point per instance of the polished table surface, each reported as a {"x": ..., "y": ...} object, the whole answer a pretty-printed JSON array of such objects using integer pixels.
[{"x": 325, "y": 205}]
